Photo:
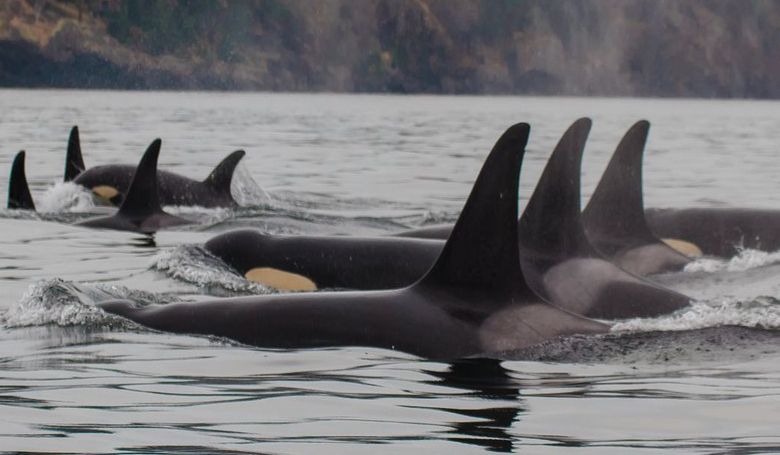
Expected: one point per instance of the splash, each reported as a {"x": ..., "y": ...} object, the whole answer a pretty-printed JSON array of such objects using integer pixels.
[
  {"x": 245, "y": 190},
  {"x": 65, "y": 303},
  {"x": 761, "y": 312},
  {"x": 65, "y": 197},
  {"x": 745, "y": 260},
  {"x": 203, "y": 215},
  {"x": 193, "y": 264}
]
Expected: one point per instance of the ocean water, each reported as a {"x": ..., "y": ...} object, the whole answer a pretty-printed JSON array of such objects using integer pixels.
[{"x": 75, "y": 380}]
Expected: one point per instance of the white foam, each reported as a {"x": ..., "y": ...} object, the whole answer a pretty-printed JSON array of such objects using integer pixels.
[
  {"x": 746, "y": 259},
  {"x": 245, "y": 190},
  {"x": 192, "y": 264},
  {"x": 53, "y": 302},
  {"x": 203, "y": 215},
  {"x": 66, "y": 303},
  {"x": 762, "y": 312},
  {"x": 65, "y": 197}
]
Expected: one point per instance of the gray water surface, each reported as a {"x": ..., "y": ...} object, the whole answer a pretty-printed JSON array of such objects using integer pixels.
[{"x": 77, "y": 381}]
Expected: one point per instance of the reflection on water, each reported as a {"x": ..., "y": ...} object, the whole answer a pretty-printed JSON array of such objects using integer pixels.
[{"x": 488, "y": 381}]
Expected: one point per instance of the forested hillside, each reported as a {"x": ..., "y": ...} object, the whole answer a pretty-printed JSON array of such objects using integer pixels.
[{"x": 723, "y": 48}]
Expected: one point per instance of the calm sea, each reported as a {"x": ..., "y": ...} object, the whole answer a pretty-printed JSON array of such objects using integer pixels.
[{"x": 74, "y": 380}]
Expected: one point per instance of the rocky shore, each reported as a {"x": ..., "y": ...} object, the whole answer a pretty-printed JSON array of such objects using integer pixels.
[{"x": 696, "y": 48}]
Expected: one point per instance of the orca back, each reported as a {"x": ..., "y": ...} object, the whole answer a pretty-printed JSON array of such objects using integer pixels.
[
  {"x": 221, "y": 177},
  {"x": 480, "y": 252},
  {"x": 18, "y": 191},
  {"x": 615, "y": 212},
  {"x": 74, "y": 161},
  {"x": 551, "y": 225},
  {"x": 140, "y": 210}
]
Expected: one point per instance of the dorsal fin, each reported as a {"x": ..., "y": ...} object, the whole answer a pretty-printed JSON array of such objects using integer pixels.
[
  {"x": 616, "y": 209},
  {"x": 74, "y": 162},
  {"x": 18, "y": 191},
  {"x": 142, "y": 198},
  {"x": 140, "y": 211},
  {"x": 222, "y": 175},
  {"x": 481, "y": 251},
  {"x": 551, "y": 222}
]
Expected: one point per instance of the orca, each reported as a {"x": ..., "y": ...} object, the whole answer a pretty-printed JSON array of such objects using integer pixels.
[
  {"x": 18, "y": 191},
  {"x": 111, "y": 182},
  {"x": 140, "y": 210},
  {"x": 614, "y": 218},
  {"x": 300, "y": 263},
  {"x": 308, "y": 263},
  {"x": 472, "y": 302},
  {"x": 558, "y": 260},
  {"x": 717, "y": 231}
]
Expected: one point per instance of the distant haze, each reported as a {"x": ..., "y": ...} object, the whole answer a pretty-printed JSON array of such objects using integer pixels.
[{"x": 694, "y": 48}]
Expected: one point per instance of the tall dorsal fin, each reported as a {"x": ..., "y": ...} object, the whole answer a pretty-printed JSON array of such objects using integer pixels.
[
  {"x": 142, "y": 198},
  {"x": 616, "y": 209},
  {"x": 140, "y": 211},
  {"x": 222, "y": 175},
  {"x": 18, "y": 191},
  {"x": 551, "y": 221},
  {"x": 74, "y": 162},
  {"x": 481, "y": 251}
]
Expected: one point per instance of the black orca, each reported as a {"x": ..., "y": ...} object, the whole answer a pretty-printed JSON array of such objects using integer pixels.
[
  {"x": 307, "y": 263},
  {"x": 571, "y": 275},
  {"x": 614, "y": 218},
  {"x": 558, "y": 260},
  {"x": 18, "y": 191},
  {"x": 111, "y": 182},
  {"x": 140, "y": 211},
  {"x": 473, "y": 300}
]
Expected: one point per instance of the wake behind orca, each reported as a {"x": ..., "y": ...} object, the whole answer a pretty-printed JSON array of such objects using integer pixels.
[
  {"x": 473, "y": 301},
  {"x": 112, "y": 181}
]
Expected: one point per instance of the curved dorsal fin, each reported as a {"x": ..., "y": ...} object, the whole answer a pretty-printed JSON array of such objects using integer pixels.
[
  {"x": 222, "y": 175},
  {"x": 18, "y": 191},
  {"x": 551, "y": 223},
  {"x": 481, "y": 251},
  {"x": 616, "y": 210},
  {"x": 142, "y": 198},
  {"x": 74, "y": 162}
]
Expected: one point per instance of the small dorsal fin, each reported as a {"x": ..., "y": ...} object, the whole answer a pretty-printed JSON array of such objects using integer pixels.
[
  {"x": 551, "y": 222},
  {"x": 74, "y": 162},
  {"x": 18, "y": 191},
  {"x": 481, "y": 252},
  {"x": 222, "y": 175},
  {"x": 142, "y": 198},
  {"x": 616, "y": 209}
]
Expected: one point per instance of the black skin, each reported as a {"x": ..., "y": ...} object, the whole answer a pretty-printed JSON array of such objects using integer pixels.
[
  {"x": 473, "y": 301},
  {"x": 331, "y": 262},
  {"x": 558, "y": 262},
  {"x": 174, "y": 189},
  {"x": 720, "y": 232}
]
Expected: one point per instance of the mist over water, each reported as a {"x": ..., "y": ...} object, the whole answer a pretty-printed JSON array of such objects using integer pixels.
[{"x": 76, "y": 380}]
